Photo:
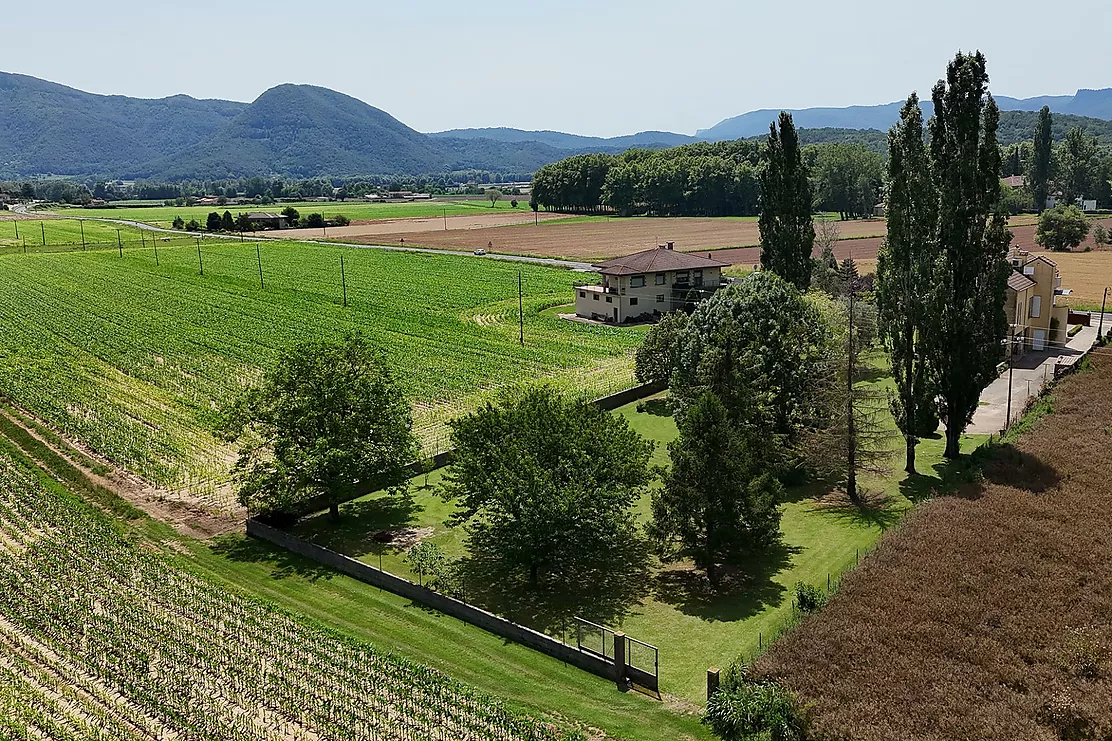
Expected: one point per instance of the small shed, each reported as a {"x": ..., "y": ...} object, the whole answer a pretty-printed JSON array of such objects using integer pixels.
[{"x": 266, "y": 220}]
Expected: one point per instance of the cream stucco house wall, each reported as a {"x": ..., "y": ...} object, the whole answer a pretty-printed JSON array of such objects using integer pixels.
[
  {"x": 648, "y": 283},
  {"x": 1035, "y": 319}
]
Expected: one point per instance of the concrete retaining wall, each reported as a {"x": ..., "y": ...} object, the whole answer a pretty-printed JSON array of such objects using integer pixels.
[{"x": 448, "y": 605}]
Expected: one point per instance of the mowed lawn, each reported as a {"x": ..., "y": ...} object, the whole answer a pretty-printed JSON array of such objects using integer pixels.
[
  {"x": 672, "y": 607},
  {"x": 354, "y": 209}
]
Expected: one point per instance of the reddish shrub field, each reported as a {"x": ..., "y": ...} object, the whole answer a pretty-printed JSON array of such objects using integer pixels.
[{"x": 988, "y": 614}]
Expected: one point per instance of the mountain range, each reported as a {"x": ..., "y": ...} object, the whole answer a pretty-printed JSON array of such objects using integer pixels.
[{"x": 305, "y": 131}]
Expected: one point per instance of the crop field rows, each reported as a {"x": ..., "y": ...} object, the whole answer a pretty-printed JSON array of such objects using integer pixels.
[
  {"x": 101, "y": 639},
  {"x": 137, "y": 360}
]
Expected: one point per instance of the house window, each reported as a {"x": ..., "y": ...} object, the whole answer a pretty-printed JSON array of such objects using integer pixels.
[
  {"x": 637, "y": 281},
  {"x": 609, "y": 299},
  {"x": 682, "y": 277},
  {"x": 1029, "y": 270},
  {"x": 1036, "y": 307},
  {"x": 594, "y": 296},
  {"x": 660, "y": 278},
  {"x": 633, "y": 302},
  {"x": 660, "y": 298},
  {"x": 698, "y": 276},
  {"x": 582, "y": 294}
]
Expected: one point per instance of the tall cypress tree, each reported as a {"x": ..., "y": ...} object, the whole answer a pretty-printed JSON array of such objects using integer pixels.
[
  {"x": 904, "y": 276},
  {"x": 787, "y": 230},
  {"x": 971, "y": 272},
  {"x": 1041, "y": 162}
]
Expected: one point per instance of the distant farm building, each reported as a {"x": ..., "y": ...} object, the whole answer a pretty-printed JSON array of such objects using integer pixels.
[
  {"x": 1015, "y": 181},
  {"x": 264, "y": 220},
  {"x": 648, "y": 283}
]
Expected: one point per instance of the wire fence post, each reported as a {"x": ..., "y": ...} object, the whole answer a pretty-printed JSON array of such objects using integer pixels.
[
  {"x": 82, "y": 222},
  {"x": 200, "y": 262},
  {"x": 259, "y": 255},
  {"x": 154, "y": 241},
  {"x": 343, "y": 280},
  {"x": 42, "y": 226},
  {"x": 120, "y": 242}
]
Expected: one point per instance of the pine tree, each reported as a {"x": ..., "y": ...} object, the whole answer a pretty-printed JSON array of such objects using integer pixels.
[
  {"x": 787, "y": 230},
  {"x": 904, "y": 276},
  {"x": 968, "y": 323},
  {"x": 1041, "y": 162}
]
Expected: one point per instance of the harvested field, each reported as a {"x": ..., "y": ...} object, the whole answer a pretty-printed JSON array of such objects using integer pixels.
[
  {"x": 1087, "y": 274},
  {"x": 599, "y": 239},
  {"x": 986, "y": 615},
  {"x": 365, "y": 230}
]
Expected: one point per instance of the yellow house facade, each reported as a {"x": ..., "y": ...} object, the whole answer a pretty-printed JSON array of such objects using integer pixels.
[{"x": 1035, "y": 319}]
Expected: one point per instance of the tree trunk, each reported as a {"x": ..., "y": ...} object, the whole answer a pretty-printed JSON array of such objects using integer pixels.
[
  {"x": 712, "y": 573},
  {"x": 532, "y": 575},
  {"x": 334, "y": 511},
  {"x": 953, "y": 443},
  {"x": 910, "y": 467}
]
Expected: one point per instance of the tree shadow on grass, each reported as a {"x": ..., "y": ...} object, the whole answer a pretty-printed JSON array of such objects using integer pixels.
[
  {"x": 1001, "y": 464},
  {"x": 283, "y": 563},
  {"x": 604, "y": 593},
  {"x": 745, "y": 589},
  {"x": 877, "y": 510},
  {"x": 366, "y": 526},
  {"x": 655, "y": 407}
]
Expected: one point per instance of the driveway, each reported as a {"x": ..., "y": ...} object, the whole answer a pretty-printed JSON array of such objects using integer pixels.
[{"x": 1029, "y": 374}]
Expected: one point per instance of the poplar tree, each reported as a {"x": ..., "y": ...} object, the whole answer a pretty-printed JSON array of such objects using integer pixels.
[
  {"x": 970, "y": 277},
  {"x": 787, "y": 230},
  {"x": 1040, "y": 161},
  {"x": 904, "y": 277}
]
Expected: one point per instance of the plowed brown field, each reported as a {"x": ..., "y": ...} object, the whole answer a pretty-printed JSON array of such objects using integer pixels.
[{"x": 986, "y": 615}]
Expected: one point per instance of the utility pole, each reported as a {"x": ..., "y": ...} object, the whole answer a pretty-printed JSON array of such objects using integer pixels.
[
  {"x": 520, "y": 312},
  {"x": 16, "y": 222},
  {"x": 1103, "y": 304},
  {"x": 120, "y": 242},
  {"x": 259, "y": 254},
  {"x": 82, "y": 222},
  {"x": 42, "y": 226},
  {"x": 445, "y": 214},
  {"x": 343, "y": 279},
  {"x": 154, "y": 241},
  {"x": 1011, "y": 374}
]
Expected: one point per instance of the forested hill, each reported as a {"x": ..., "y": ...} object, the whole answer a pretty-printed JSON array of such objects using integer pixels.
[{"x": 47, "y": 128}]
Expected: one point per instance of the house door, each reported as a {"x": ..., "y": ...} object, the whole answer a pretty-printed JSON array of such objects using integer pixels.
[
  {"x": 1038, "y": 340},
  {"x": 615, "y": 314}
]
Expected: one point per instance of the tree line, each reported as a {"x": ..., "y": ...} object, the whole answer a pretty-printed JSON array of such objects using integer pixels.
[{"x": 703, "y": 179}]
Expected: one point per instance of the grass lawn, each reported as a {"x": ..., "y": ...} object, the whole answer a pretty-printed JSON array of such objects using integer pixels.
[
  {"x": 672, "y": 608},
  {"x": 164, "y": 215}
]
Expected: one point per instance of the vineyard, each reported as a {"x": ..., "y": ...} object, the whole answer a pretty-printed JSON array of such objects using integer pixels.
[
  {"x": 102, "y": 639},
  {"x": 136, "y": 356}
]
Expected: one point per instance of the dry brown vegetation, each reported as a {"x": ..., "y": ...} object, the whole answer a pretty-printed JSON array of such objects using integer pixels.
[{"x": 985, "y": 616}]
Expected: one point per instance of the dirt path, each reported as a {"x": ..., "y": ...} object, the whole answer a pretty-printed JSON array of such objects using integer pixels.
[{"x": 186, "y": 518}]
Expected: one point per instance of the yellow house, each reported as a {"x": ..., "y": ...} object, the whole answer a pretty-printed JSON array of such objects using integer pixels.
[
  {"x": 648, "y": 283},
  {"x": 1035, "y": 320}
]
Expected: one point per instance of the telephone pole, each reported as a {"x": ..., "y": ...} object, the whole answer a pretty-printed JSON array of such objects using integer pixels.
[{"x": 1103, "y": 304}]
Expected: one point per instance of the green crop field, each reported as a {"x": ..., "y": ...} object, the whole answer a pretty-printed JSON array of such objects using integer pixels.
[
  {"x": 144, "y": 649},
  {"x": 164, "y": 215},
  {"x": 136, "y": 360},
  {"x": 63, "y": 234}
]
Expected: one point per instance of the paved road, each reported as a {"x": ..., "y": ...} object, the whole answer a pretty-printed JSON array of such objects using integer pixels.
[
  {"x": 1028, "y": 376},
  {"x": 582, "y": 266}
]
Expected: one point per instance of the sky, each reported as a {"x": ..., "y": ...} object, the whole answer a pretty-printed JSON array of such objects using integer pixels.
[{"x": 601, "y": 67}]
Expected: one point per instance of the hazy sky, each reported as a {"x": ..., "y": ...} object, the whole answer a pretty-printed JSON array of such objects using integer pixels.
[{"x": 601, "y": 67}]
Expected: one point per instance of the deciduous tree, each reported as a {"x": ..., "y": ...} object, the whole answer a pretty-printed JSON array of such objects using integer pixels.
[
  {"x": 1061, "y": 228},
  {"x": 214, "y": 222},
  {"x": 970, "y": 275},
  {"x": 904, "y": 277},
  {"x": 545, "y": 482},
  {"x": 227, "y": 222},
  {"x": 328, "y": 421},
  {"x": 657, "y": 357},
  {"x": 1078, "y": 167},
  {"x": 787, "y": 230}
]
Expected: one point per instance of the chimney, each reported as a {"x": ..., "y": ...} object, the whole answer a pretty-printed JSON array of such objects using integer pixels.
[{"x": 671, "y": 245}]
